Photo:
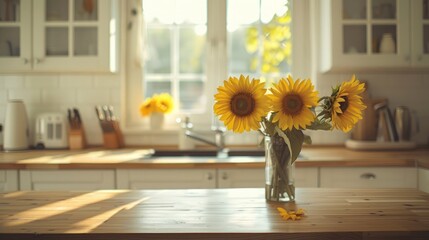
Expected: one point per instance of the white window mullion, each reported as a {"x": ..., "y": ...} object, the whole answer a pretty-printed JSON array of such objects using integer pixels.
[
  {"x": 217, "y": 61},
  {"x": 71, "y": 29},
  {"x": 175, "y": 62}
]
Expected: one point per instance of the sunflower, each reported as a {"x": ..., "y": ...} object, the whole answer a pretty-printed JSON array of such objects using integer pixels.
[
  {"x": 147, "y": 107},
  {"x": 347, "y": 104},
  {"x": 292, "y": 103},
  {"x": 241, "y": 103},
  {"x": 163, "y": 103}
]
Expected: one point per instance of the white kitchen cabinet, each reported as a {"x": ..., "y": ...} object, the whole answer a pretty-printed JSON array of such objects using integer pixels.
[
  {"x": 255, "y": 178},
  {"x": 424, "y": 180},
  {"x": 368, "y": 177},
  {"x": 352, "y": 33},
  {"x": 55, "y": 35},
  {"x": 66, "y": 179},
  {"x": 166, "y": 178},
  {"x": 8, "y": 180},
  {"x": 420, "y": 32}
]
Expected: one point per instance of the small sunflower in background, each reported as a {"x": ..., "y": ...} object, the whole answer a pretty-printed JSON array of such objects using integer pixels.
[
  {"x": 292, "y": 103},
  {"x": 241, "y": 103},
  {"x": 147, "y": 107},
  {"x": 163, "y": 103},
  {"x": 158, "y": 103}
]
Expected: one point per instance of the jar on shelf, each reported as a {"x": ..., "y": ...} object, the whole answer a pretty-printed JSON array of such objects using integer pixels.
[{"x": 387, "y": 44}]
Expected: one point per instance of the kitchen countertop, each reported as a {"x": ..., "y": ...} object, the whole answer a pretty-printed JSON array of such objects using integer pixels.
[
  {"x": 97, "y": 158},
  {"x": 214, "y": 214}
]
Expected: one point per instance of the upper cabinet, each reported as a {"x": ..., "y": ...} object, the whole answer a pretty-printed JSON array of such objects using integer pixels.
[
  {"x": 55, "y": 35},
  {"x": 420, "y": 31},
  {"x": 374, "y": 34}
]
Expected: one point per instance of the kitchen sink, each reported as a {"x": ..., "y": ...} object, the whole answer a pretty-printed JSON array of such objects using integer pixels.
[{"x": 207, "y": 153}]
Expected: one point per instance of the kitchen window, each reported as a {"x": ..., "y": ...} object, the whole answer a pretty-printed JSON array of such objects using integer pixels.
[{"x": 191, "y": 46}]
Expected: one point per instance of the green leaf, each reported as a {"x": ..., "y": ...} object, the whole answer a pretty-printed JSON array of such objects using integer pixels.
[
  {"x": 320, "y": 125},
  {"x": 294, "y": 139},
  {"x": 269, "y": 128}
]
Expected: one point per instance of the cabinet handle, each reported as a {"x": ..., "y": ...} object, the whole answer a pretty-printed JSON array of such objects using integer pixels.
[
  {"x": 209, "y": 176},
  {"x": 224, "y": 176},
  {"x": 26, "y": 60},
  {"x": 368, "y": 176},
  {"x": 39, "y": 60}
]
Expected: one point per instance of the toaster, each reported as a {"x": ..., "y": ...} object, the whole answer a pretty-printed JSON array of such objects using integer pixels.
[{"x": 51, "y": 131}]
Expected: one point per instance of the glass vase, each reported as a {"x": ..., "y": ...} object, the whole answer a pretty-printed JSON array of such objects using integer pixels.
[{"x": 279, "y": 171}]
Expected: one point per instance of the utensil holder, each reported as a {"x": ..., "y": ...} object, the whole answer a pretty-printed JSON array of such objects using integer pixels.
[
  {"x": 77, "y": 139},
  {"x": 113, "y": 139}
]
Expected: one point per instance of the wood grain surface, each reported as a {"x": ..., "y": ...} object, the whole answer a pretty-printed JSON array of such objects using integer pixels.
[
  {"x": 138, "y": 158},
  {"x": 214, "y": 214}
]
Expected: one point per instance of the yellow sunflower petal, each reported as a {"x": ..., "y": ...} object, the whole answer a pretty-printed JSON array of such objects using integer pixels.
[
  {"x": 292, "y": 101},
  {"x": 241, "y": 103},
  {"x": 347, "y": 106}
]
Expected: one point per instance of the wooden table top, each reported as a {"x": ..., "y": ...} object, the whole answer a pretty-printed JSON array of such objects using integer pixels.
[
  {"x": 214, "y": 213},
  {"x": 138, "y": 158}
]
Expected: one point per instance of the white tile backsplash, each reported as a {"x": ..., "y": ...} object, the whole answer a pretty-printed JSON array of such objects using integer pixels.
[
  {"x": 42, "y": 81},
  {"x": 29, "y": 96},
  {"x": 93, "y": 96},
  {"x": 59, "y": 96},
  {"x": 3, "y": 95},
  {"x": 57, "y": 92},
  {"x": 111, "y": 81},
  {"x": 76, "y": 81},
  {"x": 11, "y": 82}
]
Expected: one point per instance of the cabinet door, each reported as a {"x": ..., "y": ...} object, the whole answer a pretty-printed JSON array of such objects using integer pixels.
[
  {"x": 66, "y": 179},
  {"x": 71, "y": 35},
  {"x": 424, "y": 180},
  {"x": 365, "y": 34},
  {"x": 166, "y": 178},
  {"x": 255, "y": 178},
  {"x": 368, "y": 177},
  {"x": 241, "y": 178},
  {"x": 307, "y": 177},
  {"x": 8, "y": 180},
  {"x": 420, "y": 26},
  {"x": 15, "y": 35}
]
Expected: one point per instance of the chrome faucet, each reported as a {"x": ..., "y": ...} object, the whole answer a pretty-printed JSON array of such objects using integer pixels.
[{"x": 219, "y": 138}]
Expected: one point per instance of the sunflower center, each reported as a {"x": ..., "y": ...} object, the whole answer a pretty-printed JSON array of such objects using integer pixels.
[
  {"x": 242, "y": 104},
  {"x": 292, "y": 104},
  {"x": 344, "y": 105}
]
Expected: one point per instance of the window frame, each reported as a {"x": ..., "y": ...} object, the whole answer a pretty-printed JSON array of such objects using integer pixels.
[{"x": 216, "y": 68}]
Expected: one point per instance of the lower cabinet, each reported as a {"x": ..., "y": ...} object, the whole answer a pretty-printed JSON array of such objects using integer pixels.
[
  {"x": 255, "y": 178},
  {"x": 166, "y": 178},
  {"x": 335, "y": 177},
  {"x": 8, "y": 180},
  {"x": 204, "y": 178},
  {"x": 368, "y": 177},
  {"x": 307, "y": 177},
  {"x": 424, "y": 180},
  {"x": 66, "y": 179}
]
